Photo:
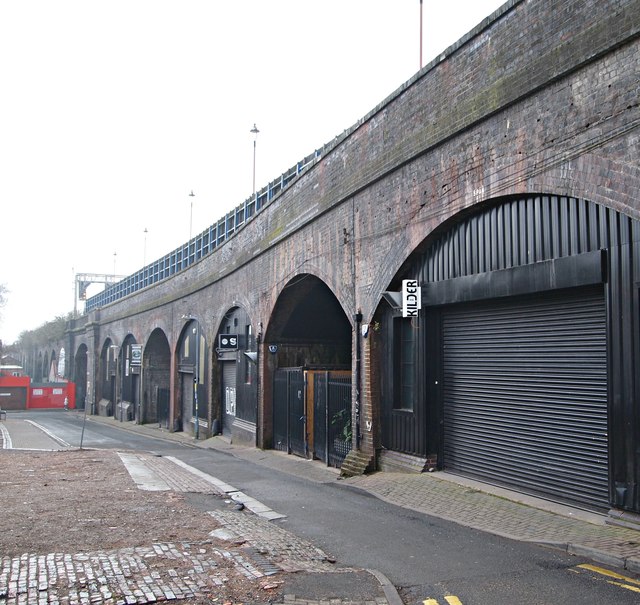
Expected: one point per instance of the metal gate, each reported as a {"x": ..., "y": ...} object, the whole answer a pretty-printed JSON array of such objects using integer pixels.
[
  {"x": 289, "y": 417},
  {"x": 332, "y": 416},
  {"x": 525, "y": 394}
]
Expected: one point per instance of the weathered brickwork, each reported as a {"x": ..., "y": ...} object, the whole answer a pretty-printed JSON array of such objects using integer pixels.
[{"x": 541, "y": 98}]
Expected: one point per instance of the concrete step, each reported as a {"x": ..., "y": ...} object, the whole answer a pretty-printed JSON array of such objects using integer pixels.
[
  {"x": 356, "y": 463},
  {"x": 397, "y": 462}
]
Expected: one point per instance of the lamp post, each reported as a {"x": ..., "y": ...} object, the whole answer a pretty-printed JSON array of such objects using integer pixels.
[
  {"x": 144, "y": 250},
  {"x": 144, "y": 259},
  {"x": 420, "y": 34},
  {"x": 114, "y": 264},
  {"x": 191, "y": 195},
  {"x": 255, "y": 132}
]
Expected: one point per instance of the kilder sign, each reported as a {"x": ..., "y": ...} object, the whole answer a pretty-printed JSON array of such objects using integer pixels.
[{"x": 411, "y": 298}]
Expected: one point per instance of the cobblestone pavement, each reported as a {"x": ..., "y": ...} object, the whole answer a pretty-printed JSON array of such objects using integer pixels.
[{"x": 164, "y": 571}]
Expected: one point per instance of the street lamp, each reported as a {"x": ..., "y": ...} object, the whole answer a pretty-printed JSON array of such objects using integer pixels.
[
  {"x": 255, "y": 132},
  {"x": 144, "y": 259},
  {"x": 420, "y": 34},
  {"x": 191, "y": 195}
]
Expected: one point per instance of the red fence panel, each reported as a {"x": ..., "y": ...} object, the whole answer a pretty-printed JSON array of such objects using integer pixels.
[{"x": 52, "y": 396}]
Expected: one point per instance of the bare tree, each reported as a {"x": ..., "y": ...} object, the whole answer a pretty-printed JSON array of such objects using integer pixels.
[
  {"x": 3, "y": 297},
  {"x": 3, "y": 302}
]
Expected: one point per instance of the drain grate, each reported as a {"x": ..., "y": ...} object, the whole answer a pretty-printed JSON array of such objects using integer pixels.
[{"x": 261, "y": 562}]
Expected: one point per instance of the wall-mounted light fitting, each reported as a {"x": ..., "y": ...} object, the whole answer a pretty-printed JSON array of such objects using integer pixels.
[{"x": 394, "y": 299}]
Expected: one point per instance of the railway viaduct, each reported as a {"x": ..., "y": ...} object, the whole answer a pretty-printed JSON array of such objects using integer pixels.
[{"x": 503, "y": 181}]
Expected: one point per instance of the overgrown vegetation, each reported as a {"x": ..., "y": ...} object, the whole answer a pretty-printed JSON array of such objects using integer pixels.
[{"x": 49, "y": 332}]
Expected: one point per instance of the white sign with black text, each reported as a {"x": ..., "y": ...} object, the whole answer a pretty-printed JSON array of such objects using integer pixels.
[{"x": 411, "y": 298}]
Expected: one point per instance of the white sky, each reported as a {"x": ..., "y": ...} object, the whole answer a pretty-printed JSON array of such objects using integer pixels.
[{"x": 111, "y": 112}]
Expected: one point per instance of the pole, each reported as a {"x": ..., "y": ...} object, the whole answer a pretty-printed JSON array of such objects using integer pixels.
[
  {"x": 75, "y": 295},
  {"x": 358, "y": 322},
  {"x": 255, "y": 132},
  {"x": 196, "y": 380},
  {"x": 258, "y": 343},
  {"x": 144, "y": 250},
  {"x": 420, "y": 34},
  {"x": 191, "y": 195}
]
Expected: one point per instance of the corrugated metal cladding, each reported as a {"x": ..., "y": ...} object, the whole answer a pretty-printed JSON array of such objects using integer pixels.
[
  {"x": 522, "y": 232},
  {"x": 517, "y": 247},
  {"x": 525, "y": 394}
]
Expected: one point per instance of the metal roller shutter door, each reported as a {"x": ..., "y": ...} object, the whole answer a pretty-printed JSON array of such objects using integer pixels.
[{"x": 525, "y": 395}]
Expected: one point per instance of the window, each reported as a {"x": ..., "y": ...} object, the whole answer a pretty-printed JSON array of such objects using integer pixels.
[{"x": 404, "y": 363}]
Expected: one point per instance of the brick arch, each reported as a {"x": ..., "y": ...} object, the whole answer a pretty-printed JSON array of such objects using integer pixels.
[
  {"x": 308, "y": 270},
  {"x": 306, "y": 315},
  {"x": 80, "y": 368},
  {"x": 156, "y": 379}
]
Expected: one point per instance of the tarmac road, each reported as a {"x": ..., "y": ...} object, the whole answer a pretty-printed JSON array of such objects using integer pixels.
[{"x": 424, "y": 556}]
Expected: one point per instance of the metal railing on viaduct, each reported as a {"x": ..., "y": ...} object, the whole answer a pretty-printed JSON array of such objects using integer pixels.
[{"x": 204, "y": 243}]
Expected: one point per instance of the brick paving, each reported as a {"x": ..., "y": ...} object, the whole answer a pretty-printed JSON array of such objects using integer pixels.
[{"x": 289, "y": 552}]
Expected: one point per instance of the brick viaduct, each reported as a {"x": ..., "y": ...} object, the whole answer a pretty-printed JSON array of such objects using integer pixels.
[{"x": 539, "y": 102}]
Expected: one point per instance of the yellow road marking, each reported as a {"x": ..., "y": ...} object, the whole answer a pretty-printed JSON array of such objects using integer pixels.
[
  {"x": 609, "y": 574},
  {"x": 453, "y": 600},
  {"x": 430, "y": 602},
  {"x": 627, "y": 586}
]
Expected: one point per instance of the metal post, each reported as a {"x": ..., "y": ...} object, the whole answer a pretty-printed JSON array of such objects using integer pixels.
[
  {"x": 144, "y": 250},
  {"x": 255, "y": 132},
  {"x": 420, "y": 34},
  {"x": 358, "y": 322},
  {"x": 196, "y": 380},
  {"x": 191, "y": 195}
]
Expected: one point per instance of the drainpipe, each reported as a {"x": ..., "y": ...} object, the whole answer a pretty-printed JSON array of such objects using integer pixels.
[
  {"x": 196, "y": 380},
  {"x": 358, "y": 320},
  {"x": 258, "y": 340}
]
